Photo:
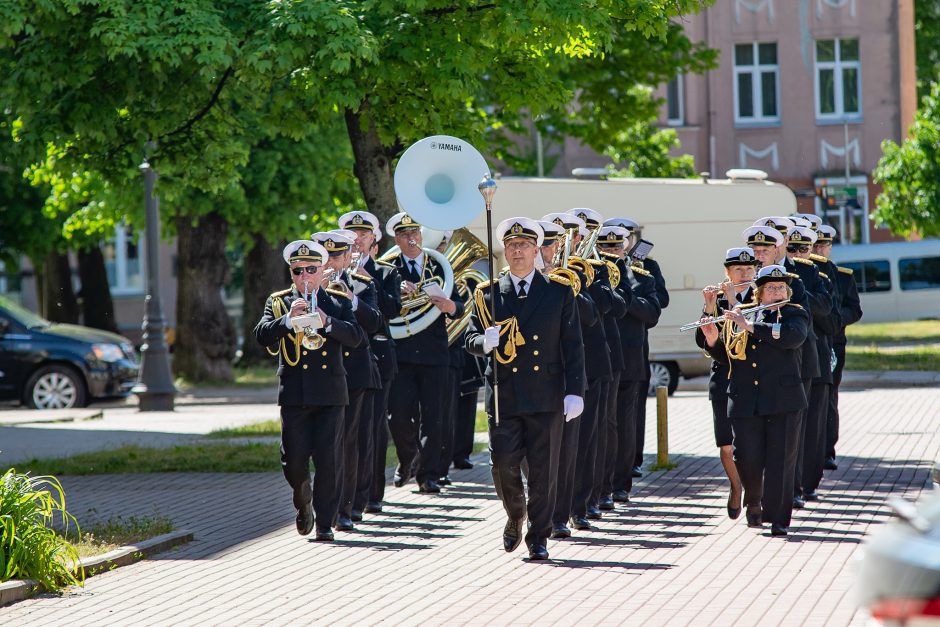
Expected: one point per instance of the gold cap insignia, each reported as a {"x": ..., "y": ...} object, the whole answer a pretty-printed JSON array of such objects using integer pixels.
[
  {"x": 357, "y": 219},
  {"x": 303, "y": 250},
  {"x": 559, "y": 222},
  {"x": 583, "y": 216},
  {"x": 759, "y": 237},
  {"x": 745, "y": 256},
  {"x": 329, "y": 244},
  {"x": 777, "y": 274},
  {"x": 770, "y": 223},
  {"x": 406, "y": 219},
  {"x": 516, "y": 228}
]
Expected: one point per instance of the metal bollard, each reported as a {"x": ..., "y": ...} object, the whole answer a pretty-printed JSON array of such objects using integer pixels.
[{"x": 662, "y": 426}]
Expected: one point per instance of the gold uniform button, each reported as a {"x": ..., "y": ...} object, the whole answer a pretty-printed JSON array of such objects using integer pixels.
[
  {"x": 535, "y": 337},
  {"x": 323, "y": 353},
  {"x": 753, "y": 346},
  {"x": 514, "y": 369},
  {"x": 305, "y": 352},
  {"x": 346, "y": 354},
  {"x": 536, "y": 368},
  {"x": 305, "y": 366},
  {"x": 324, "y": 367},
  {"x": 535, "y": 352},
  {"x": 753, "y": 365},
  {"x": 755, "y": 383}
]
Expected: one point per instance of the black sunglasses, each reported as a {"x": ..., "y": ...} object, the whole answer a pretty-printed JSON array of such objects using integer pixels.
[
  {"x": 801, "y": 248},
  {"x": 309, "y": 269}
]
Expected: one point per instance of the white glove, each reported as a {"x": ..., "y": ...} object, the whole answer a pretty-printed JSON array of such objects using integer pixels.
[
  {"x": 490, "y": 338},
  {"x": 574, "y": 406}
]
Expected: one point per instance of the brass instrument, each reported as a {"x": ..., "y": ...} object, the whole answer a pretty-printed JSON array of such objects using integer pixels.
[
  {"x": 561, "y": 261},
  {"x": 311, "y": 339},
  {"x": 463, "y": 250}
]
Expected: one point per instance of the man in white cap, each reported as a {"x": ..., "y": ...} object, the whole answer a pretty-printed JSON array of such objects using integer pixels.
[
  {"x": 533, "y": 340},
  {"x": 313, "y": 393},
  {"x": 417, "y": 397},
  {"x": 371, "y": 490}
]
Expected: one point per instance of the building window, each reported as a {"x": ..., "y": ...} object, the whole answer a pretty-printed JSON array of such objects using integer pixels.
[
  {"x": 870, "y": 276},
  {"x": 123, "y": 261},
  {"x": 919, "y": 273},
  {"x": 675, "y": 101},
  {"x": 756, "y": 83},
  {"x": 838, "y": 80}
]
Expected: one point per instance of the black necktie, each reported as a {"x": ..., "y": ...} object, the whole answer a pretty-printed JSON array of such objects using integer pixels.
[
  {"x": 414, "y": 268},
  {"x": 522, "y": 293}
]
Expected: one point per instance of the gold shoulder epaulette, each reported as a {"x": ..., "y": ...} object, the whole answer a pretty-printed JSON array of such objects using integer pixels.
[
  {"x": 845, "y": 270},
  {"x": 596, "y": 262},
  {"x": 793, "y": 275},
  {"x": 818, "y": 258},
  {"x": 823, "y": 274},
  {"x": 363, "y": 277},
  {"x": 487, "y": 283},
  {"x": 330, "y": 290},
  {"x": 795, "y": 305},
  {"x": 385, "y": 263},
  {"x": 390, "y": 257},
  {"x": 282, "y": 292},
  {"x": 559, "y": 279},
  {"x": 640, "y": 271},
  {"x": 611, "y": 256},
  {"x": 805, "y": 262},
  {"x": 638, "y": 263}
]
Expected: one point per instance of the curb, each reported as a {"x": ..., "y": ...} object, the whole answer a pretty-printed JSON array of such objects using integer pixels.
[
  {"x": 20, "y": 589},
  {"x": 39, "y": 416}
]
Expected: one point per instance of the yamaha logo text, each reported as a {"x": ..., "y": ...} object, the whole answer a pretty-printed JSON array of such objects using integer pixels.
[{"x": 451, "y": 147}]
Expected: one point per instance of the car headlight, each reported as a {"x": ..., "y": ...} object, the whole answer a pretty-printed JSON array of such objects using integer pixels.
[{"x": 109, "y": 353}]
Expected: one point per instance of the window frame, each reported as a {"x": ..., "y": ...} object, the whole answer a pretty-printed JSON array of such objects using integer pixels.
[
  {"x": 860, "y": 275},
  {"x": 902, "y": 262},
  {"x": 839, "y": 217},
  {"x": 121, "y": 285},
  {"x": 756, "y": 69},
  {"x": 838, "y": 67},
  {"x": 680, "y": 100}
]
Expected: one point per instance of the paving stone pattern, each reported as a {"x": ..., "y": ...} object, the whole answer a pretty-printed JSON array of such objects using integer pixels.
[{"x": 672, "y": 557}]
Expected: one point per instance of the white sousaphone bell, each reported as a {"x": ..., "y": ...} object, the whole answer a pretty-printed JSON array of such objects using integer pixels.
[{"x": 436, "y": 184}]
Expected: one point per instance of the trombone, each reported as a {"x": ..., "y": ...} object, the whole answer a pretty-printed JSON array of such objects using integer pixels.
[{"x": 750, "y": 313}]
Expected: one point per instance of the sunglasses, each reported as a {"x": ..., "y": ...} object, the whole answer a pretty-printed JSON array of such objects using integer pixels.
[
  {"x": 309, "y": 270},
  {"x": 801, "y": 248}
]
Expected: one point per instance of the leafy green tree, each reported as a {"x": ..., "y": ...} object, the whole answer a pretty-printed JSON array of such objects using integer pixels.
[
  {"x": 927, "y": 33},
  {"x": 910, "y": 175}
]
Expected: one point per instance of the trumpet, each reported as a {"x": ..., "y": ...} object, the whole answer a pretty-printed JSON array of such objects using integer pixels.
[
  {"x": 750, "y": 314},
  {"x": 311, "y": 339}
]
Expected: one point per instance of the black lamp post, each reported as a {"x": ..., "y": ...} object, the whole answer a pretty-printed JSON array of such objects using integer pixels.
[{"x": 154, "y": 388}]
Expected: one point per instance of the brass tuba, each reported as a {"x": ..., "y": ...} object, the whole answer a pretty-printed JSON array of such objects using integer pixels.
[{"x": 464, "y": 250}]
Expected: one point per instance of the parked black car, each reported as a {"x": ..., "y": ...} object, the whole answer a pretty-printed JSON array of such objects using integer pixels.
[{"x": 47, "y": 365}]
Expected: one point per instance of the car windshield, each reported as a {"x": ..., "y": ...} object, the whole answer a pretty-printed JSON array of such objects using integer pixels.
[{"x": 21, "y": 314}]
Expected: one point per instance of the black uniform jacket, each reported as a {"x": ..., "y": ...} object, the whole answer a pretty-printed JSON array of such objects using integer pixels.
[
  {"x": 642, "y": 313},
  {"x": 809, "y": 355},
  {"x": 850, "y": 307},
  {"x": 597, "y": 368},
  {"x": 718, "y": 382},
  {"x": 617, "y": 309},
  {"x": 550, "y": 365},
  {"x": 819, "y": 295},
  {"x": 319, "y": 377},
  {"x": 362, "y": 370},
  {"x": 651, "y": 266},
  {"x": 388, "y": 285},
  {"x": 429, "y": 347},
  {"x": 768, "y": 380}
]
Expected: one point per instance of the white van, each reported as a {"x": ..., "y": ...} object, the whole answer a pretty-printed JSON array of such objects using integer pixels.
[
  {"x": 691, "y": 222},
  {"x": 897, "y": 280}
]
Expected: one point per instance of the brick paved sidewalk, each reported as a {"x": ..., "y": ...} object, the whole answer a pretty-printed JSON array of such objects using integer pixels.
[{"x": 671, "y": 557}]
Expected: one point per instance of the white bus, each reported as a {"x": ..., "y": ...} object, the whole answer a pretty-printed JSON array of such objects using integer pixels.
[
  {"x": 896, "y": 281},
  {"x": 691, "y": 222}
]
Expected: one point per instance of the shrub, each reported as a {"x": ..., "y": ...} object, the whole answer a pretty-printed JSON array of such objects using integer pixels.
[{"x": 29, "y": 546}]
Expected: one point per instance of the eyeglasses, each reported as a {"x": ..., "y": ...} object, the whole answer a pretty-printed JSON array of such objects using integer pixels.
[
  {"x": 308, "y": 269},
  {"x": 795, "y": 248},
  {"x": 523, "y": 245}
]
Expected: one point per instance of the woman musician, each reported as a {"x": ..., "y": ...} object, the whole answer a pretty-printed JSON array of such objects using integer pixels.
[
  {"x": 736, "y": 289},
  {"x": 765, "y": 394}
]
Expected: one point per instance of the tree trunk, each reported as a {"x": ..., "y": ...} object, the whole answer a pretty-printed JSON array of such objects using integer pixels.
[
  {"x": 265, "y": 272},
  {"x": 372, "y": 165},
  {"x": 97, "y": 306},
  {"x": 59, "y": 303},
  {"x": 205, "y": 335}
]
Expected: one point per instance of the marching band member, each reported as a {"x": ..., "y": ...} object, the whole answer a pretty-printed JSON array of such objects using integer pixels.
[
  {"x": 765, "y": 395},
  {"x": 850, "y": 312},
  {"x": 737, "y": 289},
  {"x": 361, "y": 372},
  {"x": 452, "y": 390},
  {"x": 312, "y": 392},
  {"x": 533, "y": 340},
  {"x": 373, "y": 432},
  {"x": 417, "y": 397}
]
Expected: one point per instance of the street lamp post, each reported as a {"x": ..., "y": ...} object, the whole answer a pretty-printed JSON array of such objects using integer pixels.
[{"x": 154, "y": 388}]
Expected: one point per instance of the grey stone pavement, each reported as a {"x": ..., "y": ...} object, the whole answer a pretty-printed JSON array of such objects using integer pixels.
[{"x": 671, "y": 557}]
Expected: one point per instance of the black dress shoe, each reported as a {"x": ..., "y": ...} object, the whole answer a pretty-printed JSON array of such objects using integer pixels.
[
  {"x": 538, "y": 552},
  {"x": 512, "y": 534},
  {"x": 606, "y": 503},
  {"x": 830, "y": 464},
  {"x": 402, "y": 476},
  {"x": 429, "y": 487},
  {"x": 463, "y": 464},
  {"x": 560, "y": 531},
  {"x": 734, "y": 512},
  {"x": 305, "y": 520},
  {"x": 356, "y": 516},
  {"x": 778, "y": 530},
  {"x": 811, "y": 497},
  {"x": 373, "y": 507},
  {"x": 621, "y": 496},
  {"x": 445, "y": 480},
  {"x": 593, "y": 513},
  {"x": 580, "y": 523},
  {"x": 798, "y": 502},
  {"x": 344, "y": 524},
  {"x": 754, "y": 518},
  {"x": 324, "y": 535},
  {"x": 637, "y": 472}
]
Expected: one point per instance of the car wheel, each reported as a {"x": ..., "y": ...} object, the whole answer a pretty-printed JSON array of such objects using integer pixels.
[
  {"x": 55, "y": 387},
  {"x": 663, "y": 373}
]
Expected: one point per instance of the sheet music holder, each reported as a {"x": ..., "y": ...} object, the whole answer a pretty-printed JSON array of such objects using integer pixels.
[{"x": 641, "y": 250}]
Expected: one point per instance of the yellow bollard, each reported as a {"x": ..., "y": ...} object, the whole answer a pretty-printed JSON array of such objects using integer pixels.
[{"x": 662, "y": 427}]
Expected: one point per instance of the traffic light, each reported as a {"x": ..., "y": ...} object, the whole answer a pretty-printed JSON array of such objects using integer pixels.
[{"x": 822, "y": 192}]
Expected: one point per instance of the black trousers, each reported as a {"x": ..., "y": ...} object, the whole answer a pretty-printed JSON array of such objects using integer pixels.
[
  {"x": 366, "y": 458},
  {"x": 569, "y": 458},
  {"x": 312, "y": 432},
  {"x": 832, "y": 419},
  {"x": 537, "y": 438},
  {"x": 449, "y": 419},
  {"x": 641, "y": 395},
  {"x": 348, "y": 478},
  {"x": 416, "y": 405},
  {"x": 633, "y": 395},
  {"x": 763, "y": 446},
  {"x": 376, "y": 491},
  {"x": 814, "y": 440},
  {"x": 465, "y": 425},
  {"x": 606, "y": 448},
  {"x": 801, "y": 437},
  {"x": 585, "y": 470}
]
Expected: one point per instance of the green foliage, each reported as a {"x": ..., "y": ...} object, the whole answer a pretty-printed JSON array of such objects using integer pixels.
[
  {"x": 29, "y": 547},
  {"x": 886, "y": 333},
  {"x": 118, "y": 531},
  {"x": 925, "y": 358},
  {"x": 910, "y": 175},
  {"x": 927, "y": 33},
  {"x": 644, "y": 151}
]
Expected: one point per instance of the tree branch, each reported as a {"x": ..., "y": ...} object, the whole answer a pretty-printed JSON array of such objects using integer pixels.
[
  {"x": 205, "y": 110},
  {"x": 448, "y": 10}
]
